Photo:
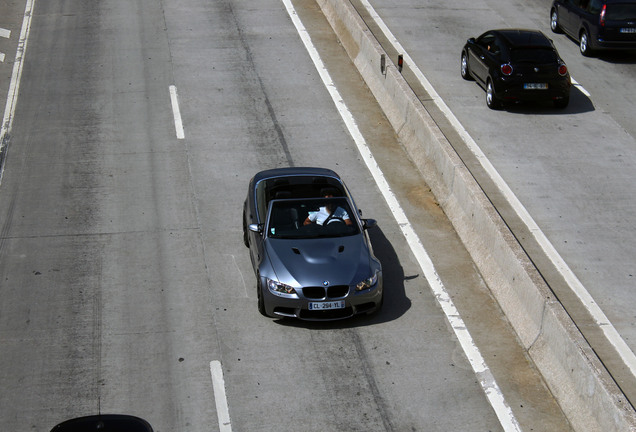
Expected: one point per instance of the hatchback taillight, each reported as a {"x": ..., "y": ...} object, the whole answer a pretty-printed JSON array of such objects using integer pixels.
[
  {"x": 601, "y": 19},
  {"x": 563, "y": 70},
  {"x": 506, "y": 69}
]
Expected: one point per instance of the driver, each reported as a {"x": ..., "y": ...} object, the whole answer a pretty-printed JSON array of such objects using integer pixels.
[{"x": 328, "y": 213}]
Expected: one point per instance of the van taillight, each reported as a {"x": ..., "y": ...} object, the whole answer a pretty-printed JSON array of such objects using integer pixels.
[
  {"x": 563, "y": 69},
  {"x": 601, "y": 19},
  {"x": 506, "y": 69}
]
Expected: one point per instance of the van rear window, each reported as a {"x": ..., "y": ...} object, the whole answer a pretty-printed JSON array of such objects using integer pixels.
[{"x": 620, "y": 12}]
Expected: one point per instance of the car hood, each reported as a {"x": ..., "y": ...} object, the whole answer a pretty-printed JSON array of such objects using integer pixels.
[{"x": 310, "y": 262}]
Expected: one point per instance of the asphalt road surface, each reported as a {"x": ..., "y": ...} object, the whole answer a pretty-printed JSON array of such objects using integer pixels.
[{"x": 123, "y": 277}]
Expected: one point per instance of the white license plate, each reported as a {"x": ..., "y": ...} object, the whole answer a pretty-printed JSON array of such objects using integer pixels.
[
  {"x": 327, "y": 305},
  {"x": 535, "y": 86},
  {"x": 628, "y": 30}
]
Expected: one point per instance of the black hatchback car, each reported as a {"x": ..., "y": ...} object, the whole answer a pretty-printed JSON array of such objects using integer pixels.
[
  {"x": 516, "y": 65},
  {"x": 596, "y": 24}
]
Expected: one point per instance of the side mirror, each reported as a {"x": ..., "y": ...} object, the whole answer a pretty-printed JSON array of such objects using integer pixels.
[
  {"x": 471, "y": 40},
  {"x": 257, "y": 228},
  {"x": 369, "y": 223}
]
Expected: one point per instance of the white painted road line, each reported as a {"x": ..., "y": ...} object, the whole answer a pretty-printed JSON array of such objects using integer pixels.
[
  {"x": 14, "y": 86},
  {"x": 218, "y": 383},
  {"x": 611, "y": 334},
  {"x": 178, "y": 124},
  {"x": 580, "y": 87},
  {"x": 483, "y": 373}
]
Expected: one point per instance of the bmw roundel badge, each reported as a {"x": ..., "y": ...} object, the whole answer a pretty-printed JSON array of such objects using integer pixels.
[{"x": 325, "y": 283}]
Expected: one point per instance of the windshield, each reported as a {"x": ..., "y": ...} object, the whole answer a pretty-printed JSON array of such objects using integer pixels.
[{"x": 311, "y": 218}]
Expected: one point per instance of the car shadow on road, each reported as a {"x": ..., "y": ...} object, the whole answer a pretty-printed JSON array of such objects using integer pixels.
[
  {"x": 617, "y": 57},
  {"x": 396, "y": 303},
  {"x": 579, "y": 103}
]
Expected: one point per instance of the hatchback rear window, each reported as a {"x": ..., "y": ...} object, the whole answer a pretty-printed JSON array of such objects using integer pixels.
[
  {"x": 621, "y": 12},
  {"x": 533, "y": 55}
]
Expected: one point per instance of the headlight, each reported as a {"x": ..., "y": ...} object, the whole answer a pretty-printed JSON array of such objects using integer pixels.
[
  {"x": 367, "y": 283},
  {"x": 280, "y": 289}
]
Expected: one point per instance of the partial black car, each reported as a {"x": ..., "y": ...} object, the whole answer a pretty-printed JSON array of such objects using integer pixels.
[
  {"x": 104, "y": 423},
  {"x": 596, "y": 24},
  {"x": 515, "y": 65}
]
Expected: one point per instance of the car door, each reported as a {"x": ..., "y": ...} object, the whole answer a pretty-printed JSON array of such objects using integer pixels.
[
  {"x": 577, "y": 15},
  {"x": 568, "y": 17},
  {"x": 256, "y": 213},
  {"x": 479, "y": 56}
]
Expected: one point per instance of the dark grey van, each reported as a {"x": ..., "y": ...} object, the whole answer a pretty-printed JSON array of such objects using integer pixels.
[{"x": 596, "y": 24}]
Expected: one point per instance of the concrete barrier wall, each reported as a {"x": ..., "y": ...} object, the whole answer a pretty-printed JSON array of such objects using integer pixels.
[{"x": 587, "y": 394}]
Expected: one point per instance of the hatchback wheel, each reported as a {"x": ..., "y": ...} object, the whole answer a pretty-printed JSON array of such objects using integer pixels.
[
  {"x": 491, "y": 99},
  {"x": 464, "y": 69}
]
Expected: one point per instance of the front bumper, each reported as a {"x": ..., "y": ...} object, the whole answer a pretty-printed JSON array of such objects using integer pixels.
[
  {"x": 356, "y": 302},
  {"x": 602, "y": 44},
  {"x": 513, "y": 90}
]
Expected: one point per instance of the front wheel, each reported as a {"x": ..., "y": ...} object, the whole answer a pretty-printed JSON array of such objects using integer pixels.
[
  {"x": 465, "y": 71},
  {"x": 491, "y": 99}
]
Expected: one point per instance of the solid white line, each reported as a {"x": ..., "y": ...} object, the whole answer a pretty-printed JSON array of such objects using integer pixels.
[
  {"x": 601, "y": 320},
  {"x": 486, "y": 379},
  {"x": 16, "y": 75},
  {"x": 218, "y": 383},
  {"x": 178, "y": 124},
  {"x": 580, "y": 87}
]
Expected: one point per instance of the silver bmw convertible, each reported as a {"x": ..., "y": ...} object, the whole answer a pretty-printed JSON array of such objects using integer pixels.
[{"x": 309, "y": 246}]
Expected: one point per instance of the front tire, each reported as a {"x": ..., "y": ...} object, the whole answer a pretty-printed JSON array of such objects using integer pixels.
[{"x": 465, "y": 70}]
